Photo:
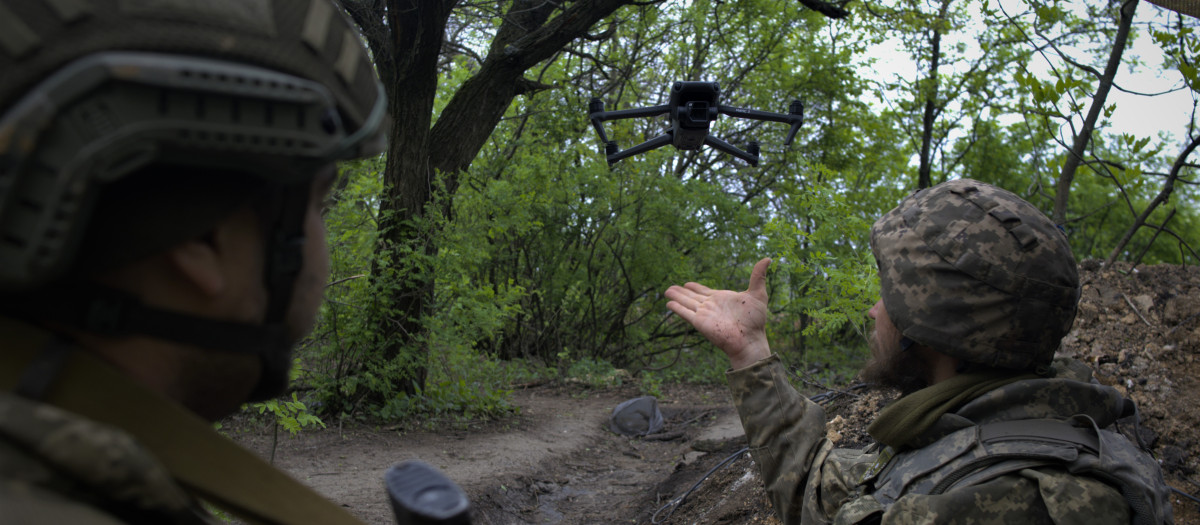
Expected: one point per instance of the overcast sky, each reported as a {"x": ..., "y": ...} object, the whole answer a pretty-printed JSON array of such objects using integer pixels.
[{"x": 1141, "y": 116}]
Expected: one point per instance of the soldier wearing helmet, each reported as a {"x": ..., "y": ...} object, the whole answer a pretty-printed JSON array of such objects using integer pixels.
[
  {"x": 163, "y": 165},
  {"x": 978, "y": 288}
]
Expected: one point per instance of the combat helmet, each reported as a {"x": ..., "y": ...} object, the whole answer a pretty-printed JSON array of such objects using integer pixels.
[
  {"x": 977, "y": 273},
  {"x": 185, "y": 107}
]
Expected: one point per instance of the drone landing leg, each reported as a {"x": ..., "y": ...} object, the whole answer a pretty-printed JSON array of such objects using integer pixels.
[
  {"x": 654, "y": 143},
  {"x": 731, "y": 149}
]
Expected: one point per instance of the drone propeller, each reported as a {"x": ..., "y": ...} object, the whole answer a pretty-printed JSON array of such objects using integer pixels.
[{"x": 692, "y": 108}]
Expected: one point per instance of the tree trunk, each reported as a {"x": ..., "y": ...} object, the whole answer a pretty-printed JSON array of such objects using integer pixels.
[
  {"x": 1079, "y": 148},
  {"x": 406, "y": 40},
  {"x": 924, "y": 173}
]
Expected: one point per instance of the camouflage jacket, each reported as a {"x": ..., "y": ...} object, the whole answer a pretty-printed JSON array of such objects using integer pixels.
[
  {"x": 100, "y": 449},
  {"x": 811, "y": 482}
]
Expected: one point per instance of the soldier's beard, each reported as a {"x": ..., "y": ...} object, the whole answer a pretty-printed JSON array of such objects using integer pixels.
[{"x": 892, "y": 367}]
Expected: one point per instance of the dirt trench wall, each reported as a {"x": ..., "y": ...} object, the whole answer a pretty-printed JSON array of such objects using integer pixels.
[{"x": 1139, "y": 329}]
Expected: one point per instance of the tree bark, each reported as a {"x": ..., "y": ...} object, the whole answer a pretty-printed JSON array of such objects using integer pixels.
[{"x": 1079, "y": 148}]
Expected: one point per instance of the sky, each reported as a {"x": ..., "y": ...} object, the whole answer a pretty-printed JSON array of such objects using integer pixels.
[
  {"x": 1146, "y": 116},
  {"x": 1141, "y": 116}
]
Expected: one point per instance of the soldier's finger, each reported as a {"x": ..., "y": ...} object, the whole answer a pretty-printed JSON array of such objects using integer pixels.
[
  {"x": 684, "y": 297},
  {"x": 682, "y": 311},
  {"x": 758, "y": 276}
]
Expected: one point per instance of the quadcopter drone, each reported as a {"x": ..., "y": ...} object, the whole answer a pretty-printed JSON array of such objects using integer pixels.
[{"x": 693, "y": 106}]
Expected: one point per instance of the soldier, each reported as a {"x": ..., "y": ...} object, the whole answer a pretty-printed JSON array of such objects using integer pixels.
[
  {"x": 978, "y": 288},
  {"x": 163, "y": 165}
]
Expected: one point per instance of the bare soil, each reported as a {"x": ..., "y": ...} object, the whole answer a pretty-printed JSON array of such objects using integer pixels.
[{"x": 557, "y": 462}]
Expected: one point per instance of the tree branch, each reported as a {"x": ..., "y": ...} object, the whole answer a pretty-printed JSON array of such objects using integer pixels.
[
  {"x": 1159, "y": 199},
  {"x": 528, "y": 35},
  {"x": 1084, "y": 137}
]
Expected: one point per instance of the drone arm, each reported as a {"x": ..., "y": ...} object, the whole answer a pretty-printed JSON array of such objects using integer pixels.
[
  {"x": 652, "y": 111},
  {"x": 715, "y": 142},
  {"x": 757, "y": 115},
  {"x": 600, "y": 130},
  {"x": 597, "y": 115},
  {"x": 792, "y": 132},
  {"x": 654, "y": 143},
  {"x": 794, "y": 116}
]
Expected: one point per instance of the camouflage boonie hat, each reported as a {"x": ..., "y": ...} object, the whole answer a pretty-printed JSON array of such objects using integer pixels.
[{"x": 977, "y": 273}]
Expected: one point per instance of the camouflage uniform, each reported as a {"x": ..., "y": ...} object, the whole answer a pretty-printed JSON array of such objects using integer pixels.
[
  {"x": 810, "y": 481},
  {"x": 103, "y": 450}
]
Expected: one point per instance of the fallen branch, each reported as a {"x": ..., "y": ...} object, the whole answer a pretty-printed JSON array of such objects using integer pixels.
[
  {"x": 697, "y": 418},
  {"x": 531, "y": 384},
  {"x": 1183, "y": 322},
  {"x": 1135, "y": 310}
]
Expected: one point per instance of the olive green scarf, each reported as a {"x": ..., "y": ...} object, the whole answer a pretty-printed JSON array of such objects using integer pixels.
[{"x": 902, "y": 421}]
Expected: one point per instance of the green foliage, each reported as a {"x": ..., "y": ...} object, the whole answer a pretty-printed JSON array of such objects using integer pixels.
[
  {"x": 650, "y": 384},
  {"x": 825, "y": 278},
  {"x": 292, "y": 415},
  {"x": 450, "y": 400},
  {"x": 835, "y": 367},
  {"x": 352, "y": 379},
  {"x": 596, "y": 373},
  {"x": 549, "y": 265},
  {"x": 695, "y": 362}
]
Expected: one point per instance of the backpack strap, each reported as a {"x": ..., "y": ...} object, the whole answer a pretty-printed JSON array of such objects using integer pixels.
[
  {"x": 1045, "y": 430},
  {"x": 1017, "y": 445}
]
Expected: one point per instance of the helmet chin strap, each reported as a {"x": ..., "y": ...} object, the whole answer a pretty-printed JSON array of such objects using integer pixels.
[
  {"x": 284, "y": 222},
  {"x": 105, "y": 311}
]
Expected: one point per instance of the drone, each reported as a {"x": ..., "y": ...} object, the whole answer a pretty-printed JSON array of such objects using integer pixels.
[{"x": 692, "y": 108}]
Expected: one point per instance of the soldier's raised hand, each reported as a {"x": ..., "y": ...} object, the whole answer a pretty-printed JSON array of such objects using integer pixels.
[{"x": 734, "y": 321}]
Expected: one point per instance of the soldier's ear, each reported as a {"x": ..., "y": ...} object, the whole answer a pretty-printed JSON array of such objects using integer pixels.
[
  {"x": 223, "y": 257},
  {"x": 197, "y": 261}
]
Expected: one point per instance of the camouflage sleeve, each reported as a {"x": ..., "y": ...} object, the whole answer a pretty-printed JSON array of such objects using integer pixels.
[
  {"x": 1026, "y": 497},
  {"x": 807, "y": 480}
]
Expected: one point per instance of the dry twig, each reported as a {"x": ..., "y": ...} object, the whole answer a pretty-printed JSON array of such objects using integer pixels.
[{"x": 1135, "y": 310}]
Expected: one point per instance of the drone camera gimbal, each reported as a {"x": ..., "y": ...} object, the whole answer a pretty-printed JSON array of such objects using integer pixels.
[{"x": 692, "y": 108}]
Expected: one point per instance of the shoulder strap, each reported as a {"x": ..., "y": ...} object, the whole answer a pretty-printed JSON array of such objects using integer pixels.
[
  {"x": 1041, "y": 430},
  {"x": 1011, "y": 446}
]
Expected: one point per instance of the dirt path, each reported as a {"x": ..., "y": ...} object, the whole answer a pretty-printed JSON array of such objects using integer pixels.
[{"x": 554, "y": 463}]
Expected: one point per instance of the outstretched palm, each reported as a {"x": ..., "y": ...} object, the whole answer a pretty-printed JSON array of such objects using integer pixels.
[{"x": 734, "y": 321}]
